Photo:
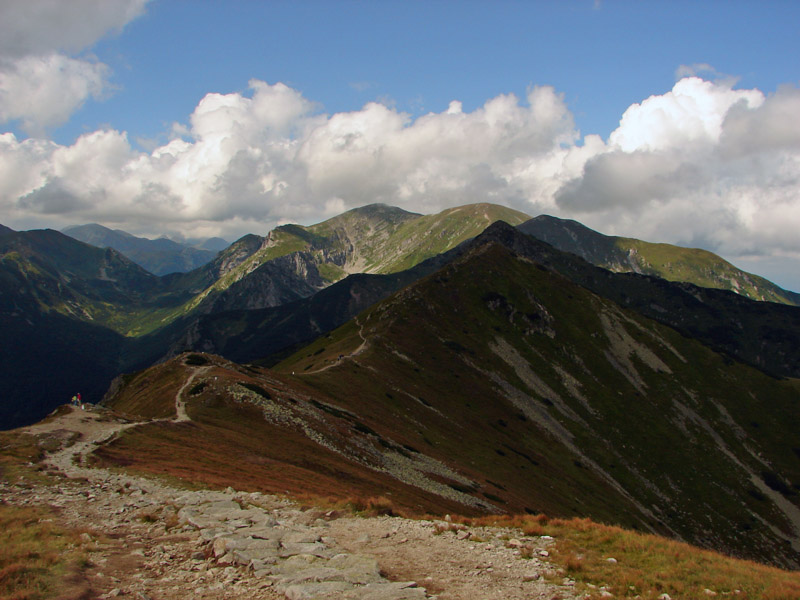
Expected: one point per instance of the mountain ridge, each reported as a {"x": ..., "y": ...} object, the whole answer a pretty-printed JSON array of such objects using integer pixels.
[
  {"x": 670, "y": 262},
  {"x": 254, "y": 309},
  {"x": 518, "y": 350},
  {"x": 532, "y": 393}
]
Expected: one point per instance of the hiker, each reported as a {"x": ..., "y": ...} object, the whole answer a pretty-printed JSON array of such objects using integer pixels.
[
  {"x": 75, "y": 401},
  {"x": 80, "y": 402}
]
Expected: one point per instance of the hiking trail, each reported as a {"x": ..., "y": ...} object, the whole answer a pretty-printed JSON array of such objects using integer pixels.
[{"x": 150, "y": 539}]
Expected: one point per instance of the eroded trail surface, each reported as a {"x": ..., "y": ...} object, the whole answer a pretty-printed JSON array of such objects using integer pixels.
[{"x": 149, "y": 540}]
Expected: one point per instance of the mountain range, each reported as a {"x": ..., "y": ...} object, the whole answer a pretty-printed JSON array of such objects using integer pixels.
[
  {"x": 160, "y": 256},
  {"x": 494, "y": 384},
  {"x": 263, "y": 296},
  {"x": 455, "y": 362}
]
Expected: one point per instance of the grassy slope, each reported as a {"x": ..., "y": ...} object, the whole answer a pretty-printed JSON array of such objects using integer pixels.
[
  {"x": 702, "y": 268},
  {"x": 673, "y": 263},
  {"x": 434, "y": 234},
  {"x": 255, "y": 431},
  {"x": 663, "y": 402},
  {"x": 647, "y": 566}
]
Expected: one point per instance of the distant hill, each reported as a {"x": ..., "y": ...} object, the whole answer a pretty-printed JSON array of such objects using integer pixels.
[
  {"x": 293, "y": 261},
  {"x": 5, "y": 230},
  {"x": 383, "y": 239},
  {"x": 214, "y": 244},
  {"x": 673, "y": 263},
  {"x": 160, "y": 256}
]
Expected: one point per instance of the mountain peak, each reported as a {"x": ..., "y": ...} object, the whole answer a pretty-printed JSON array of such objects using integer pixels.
[{"x": 373, "y": 214}]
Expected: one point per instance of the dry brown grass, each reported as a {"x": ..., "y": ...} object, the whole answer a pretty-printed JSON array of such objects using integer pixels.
[
  {"x": 37, "y": 558},
  {"x": 373, "y": 506},
  {"x": 227, "y": 444},
  {"x": 18, "y": 451},
  {"x": 647, "y": 566}
]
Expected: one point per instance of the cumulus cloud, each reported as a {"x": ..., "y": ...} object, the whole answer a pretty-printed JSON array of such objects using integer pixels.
[
  {"x": 774, "y": 127},
  {"x": 690, "y": 114},
  {"x": 702, "y": 164},
  {"x": 41, "y": 85},
  {"x": 252, "y": 160},
  {"x": 44, "y": 26},
  {"x": 43, "y": 91}
]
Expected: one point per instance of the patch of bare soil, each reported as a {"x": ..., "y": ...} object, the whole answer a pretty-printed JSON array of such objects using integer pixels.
[{"x": 454, "y": 562}]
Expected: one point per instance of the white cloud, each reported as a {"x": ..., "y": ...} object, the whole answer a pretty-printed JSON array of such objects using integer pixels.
[
  {"x": 703, "y": 164},
  {"x": 773, "y": 127},
  {"x": 43, "y": 91},
  {"x": 692, "y": 112},
  {"x": 269, "y": 156},
  {"x": 40, "y": 27},
  {"x": 40, "y": 84}
]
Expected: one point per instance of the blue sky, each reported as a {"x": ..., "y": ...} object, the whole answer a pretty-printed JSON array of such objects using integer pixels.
[
  {"x": 421, "y": 55},
  {"x": 669, "y": 121}
]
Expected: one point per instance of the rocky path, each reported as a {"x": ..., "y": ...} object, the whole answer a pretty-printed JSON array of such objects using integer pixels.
[
  {"x": 180, "y": 403},
  {"x": 151, "y": 541}
]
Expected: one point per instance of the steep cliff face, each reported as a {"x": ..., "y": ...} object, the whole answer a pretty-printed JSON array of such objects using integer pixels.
[
  {"x": 276, "y": 282},
  {"x": 236, "y": 254}
]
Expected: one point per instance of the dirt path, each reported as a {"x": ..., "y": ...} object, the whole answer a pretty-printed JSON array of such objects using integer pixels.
[
  {"x": 364, "y": 345},
  {"x": 150, "y": 540},
  {"x": 180, "y": 404}
]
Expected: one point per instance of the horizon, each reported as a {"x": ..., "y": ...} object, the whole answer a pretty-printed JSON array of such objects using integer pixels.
[{"x": 672, "y": 123}]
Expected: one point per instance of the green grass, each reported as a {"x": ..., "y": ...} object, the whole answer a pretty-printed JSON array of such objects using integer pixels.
[
  {"x": 331, "y": 272},
  {"x": 431, "y": 235},
  {"x": 702, "y": 268}
]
